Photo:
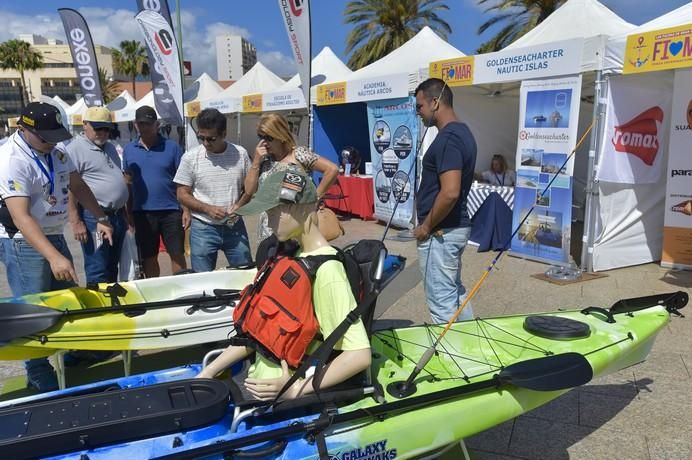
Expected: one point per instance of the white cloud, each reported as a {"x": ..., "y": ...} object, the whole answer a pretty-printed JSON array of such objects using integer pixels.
[{"x": 110, "y": 26}]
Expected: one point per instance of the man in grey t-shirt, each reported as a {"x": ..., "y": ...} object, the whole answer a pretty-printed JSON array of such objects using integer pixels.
[
  {"x": 210, "y": 183},
  {"x": 98, "y": 163}
]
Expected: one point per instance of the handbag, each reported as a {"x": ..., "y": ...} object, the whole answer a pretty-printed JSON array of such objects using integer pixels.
[{"x": 329, "y": 225}]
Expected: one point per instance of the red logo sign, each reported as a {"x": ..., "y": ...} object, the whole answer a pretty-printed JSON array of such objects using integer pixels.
[
  {"x": 164, "y": 41},
  {"x": 296, "y": 7},
  {"x": 639, "y": 136}
]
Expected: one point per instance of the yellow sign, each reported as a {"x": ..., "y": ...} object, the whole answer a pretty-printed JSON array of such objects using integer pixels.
[
  {"x": 252, "y": 103},
  {"x": 331, "y": 93},
  {"x": 192, "y": 109},
  {"x": 456, "y": 71},
  {"x": 76, "y": 119},
  {"x": 659, "y": 50}
]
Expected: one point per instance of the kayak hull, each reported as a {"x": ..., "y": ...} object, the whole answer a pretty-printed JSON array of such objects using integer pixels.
[
  {"x": 473, "y": 351},
  {"x": 159, "y": 328}
]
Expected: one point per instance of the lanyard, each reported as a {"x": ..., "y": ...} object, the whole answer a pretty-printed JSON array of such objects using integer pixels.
[
  {"x": 50, "y": 172},
  {"x": 498, "y": 179}
]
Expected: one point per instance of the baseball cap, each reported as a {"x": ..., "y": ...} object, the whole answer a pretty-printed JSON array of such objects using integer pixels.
[
  {"x": 45, "y": 121},
  {"x": 145, "y": 114},
  {"x": 281, "y": 187},
  {"x": 98, "y": 117}
]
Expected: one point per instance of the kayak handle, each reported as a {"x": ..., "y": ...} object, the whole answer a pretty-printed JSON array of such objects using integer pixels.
[
  {"x": 610, "y": 318},
  {"x": 275, "y": 448}
]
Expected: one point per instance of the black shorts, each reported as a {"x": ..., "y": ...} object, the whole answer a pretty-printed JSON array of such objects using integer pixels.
[{"x": 150, "y": 226}]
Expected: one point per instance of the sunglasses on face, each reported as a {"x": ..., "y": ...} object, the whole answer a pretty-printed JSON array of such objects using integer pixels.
[
  {"x": 209, "y": 139},
  {"x": 265, "y": 137},
  {"x": 103, "y": 129}
]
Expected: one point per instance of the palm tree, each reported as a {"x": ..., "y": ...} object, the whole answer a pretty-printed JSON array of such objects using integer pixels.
[
  {"x": 131, "y": 60},
  {"x": 381, "y": 26},
  {"x": 109, "y": 88},
  {"x": 18, "y": 55},
  {"x": 520, "y": 16}
]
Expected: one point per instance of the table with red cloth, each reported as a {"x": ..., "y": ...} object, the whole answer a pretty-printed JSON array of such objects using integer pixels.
[{"x": 352, "y": 194}]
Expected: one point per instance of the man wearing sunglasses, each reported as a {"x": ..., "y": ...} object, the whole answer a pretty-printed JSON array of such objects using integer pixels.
[
  {"x": 98, "y": 163},
  {"x": 210, "y": 183},
  {"x": 35, "y": 178}
]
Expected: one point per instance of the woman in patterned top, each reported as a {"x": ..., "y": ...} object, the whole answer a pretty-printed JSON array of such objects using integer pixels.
[{"x": 277, "y": 150}]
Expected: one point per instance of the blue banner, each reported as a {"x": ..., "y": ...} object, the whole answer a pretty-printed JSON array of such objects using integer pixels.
[
  {"x": 549, "y": 114},
  {"x": 393, "y": 127}
]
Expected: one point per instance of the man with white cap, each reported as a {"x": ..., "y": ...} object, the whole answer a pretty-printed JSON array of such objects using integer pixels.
[
  {"x": 35, "y": 178},
  {"x": 99, "y": 165}
]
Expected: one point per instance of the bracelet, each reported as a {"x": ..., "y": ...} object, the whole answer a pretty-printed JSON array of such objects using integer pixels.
[{"x": 255, "y": 167}]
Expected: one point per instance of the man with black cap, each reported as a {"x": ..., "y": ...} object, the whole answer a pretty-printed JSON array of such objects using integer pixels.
[
  {"x": 150, "y": 164},
  {"x": 98, "y": 163},
  {"x": 35, "y": 179}
]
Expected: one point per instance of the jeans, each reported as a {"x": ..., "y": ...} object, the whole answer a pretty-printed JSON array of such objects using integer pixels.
[
  {"x": 207, "y": 239},
  {"x": 101, "y": 266},
  {"x": 34, "y": 275},
  {"x": 440, "y": 264}
]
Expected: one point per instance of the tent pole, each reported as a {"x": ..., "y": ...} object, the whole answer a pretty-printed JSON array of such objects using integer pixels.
[
  {"x": 237, "y": 132},
  {"x": 591, "y": 186}
]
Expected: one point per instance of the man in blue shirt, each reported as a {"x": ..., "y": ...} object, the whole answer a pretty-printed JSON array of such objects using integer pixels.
[
  {"x": 150, "y": 164},
  {"x": 444, "y": 223}
]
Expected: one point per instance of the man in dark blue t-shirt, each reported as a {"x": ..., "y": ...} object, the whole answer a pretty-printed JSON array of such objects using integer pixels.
[
  {"x": 444, "y": 223},
  {"x": 150, "y": 164}
]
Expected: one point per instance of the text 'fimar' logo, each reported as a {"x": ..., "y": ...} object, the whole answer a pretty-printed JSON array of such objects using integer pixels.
[
  {"x": 639, "y": 136},
  {"x": 164, "y": 41}
]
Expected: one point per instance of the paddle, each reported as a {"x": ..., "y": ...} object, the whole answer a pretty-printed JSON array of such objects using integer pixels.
[
  {"x": 551, "y": 373},
  {"x": 21, "y": 319}
]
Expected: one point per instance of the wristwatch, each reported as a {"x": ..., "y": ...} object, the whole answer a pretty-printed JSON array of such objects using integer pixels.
[{"x": 103, "y": 220}]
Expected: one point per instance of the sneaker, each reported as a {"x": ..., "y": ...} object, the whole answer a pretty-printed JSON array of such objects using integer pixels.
[
  {"x": 86, "y": 357},
  {"x": 41, "y": 376}
]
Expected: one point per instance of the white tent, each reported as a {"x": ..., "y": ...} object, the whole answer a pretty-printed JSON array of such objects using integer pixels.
[
  {"x": 76, "y": 111},
  {"x": 258, "y": 79},
  {"x": 615, "y": 49},
  {"x": 202, "y": 88},
  {"x": 147, "y": 99},
  {"x": 65, "y": 106},
  {"x": 587, "y": 19},
  {"x": 123, "y": 107}
]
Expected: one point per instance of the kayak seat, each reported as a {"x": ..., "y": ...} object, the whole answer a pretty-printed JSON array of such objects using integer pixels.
[{"x": 556, "y": 327}]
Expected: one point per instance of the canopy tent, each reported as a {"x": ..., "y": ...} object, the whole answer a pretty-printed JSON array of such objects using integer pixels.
[
  {"x": 614, "y": 58},
  {"x": 65, "y": 106},
  {"x": 76, "y": 111},
  {"x": 122, "y": 107},
  {"x": 587, "y": 19},
  {"x": 202, "y": 88},
  {"x": 147, "y": 99}
]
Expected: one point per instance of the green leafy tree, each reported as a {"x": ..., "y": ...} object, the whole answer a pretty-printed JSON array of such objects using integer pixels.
[
  {"x": 109, "y": 88},
  {"x": 20, "y": 56},
  {"x": 381, "y": 26},
  {"x": 516, "y": 17},
  {"x": 131, "y": 60}
]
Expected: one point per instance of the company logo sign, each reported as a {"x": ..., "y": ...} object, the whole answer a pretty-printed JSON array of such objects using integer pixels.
[
  {"x": 662, "y": 49},
  {"x": 683, "y": 208},
  {"x": 296, "y": 7},
  {"x": 164, "y": 41},
  {"x": 680, "y": 172},
  {"x": 456, "y": 71},
  {"x": 252, "y": 103},
  {"x": 331, "y": 93},
  {"x": 639, "y": 136},
  {"x": 375, "y": 451}
]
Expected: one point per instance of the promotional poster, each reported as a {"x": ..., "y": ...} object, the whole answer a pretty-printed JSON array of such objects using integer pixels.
[
  {"x": 677, "y": 230},
  {"x": 549, "y": 115},
  {"x": 636, "y": 124},
  {"x": 393, "y": 129}
]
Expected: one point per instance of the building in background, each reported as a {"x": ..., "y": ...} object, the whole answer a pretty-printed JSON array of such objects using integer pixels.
[
  {"x": 57, "y": 77},
  {"x": 234, "y": 56}
]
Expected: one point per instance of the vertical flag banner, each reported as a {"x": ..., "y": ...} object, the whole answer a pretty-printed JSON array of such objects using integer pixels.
[
  {"x": 677, "y": 229},
  {"x": 393, "y": 127},
  {"x": 548, "y": 120},
  {"x": 163, "y": 48},
  {"x": 637, "y": 120},
  {"x": 163, "y": 99},
  {"x": 83, "y": 55},
  {"x": 296, "y": 16}
]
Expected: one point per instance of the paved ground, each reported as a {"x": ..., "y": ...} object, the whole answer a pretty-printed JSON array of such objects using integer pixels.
[{"x": 643, "y": 412}]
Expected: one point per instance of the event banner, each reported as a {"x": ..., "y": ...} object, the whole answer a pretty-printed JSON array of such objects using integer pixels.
[
  {"x": 636, "y": 124},
  {"x": 456, "y": 71},
  {"x": 289, "y": 99},
  {"x": 164, "y": 98},
  {"x": 393, "y": 126},
  {"x": 557, "y": 58},
  {"x": 363, "y": 90},
  {"x": 83, "y": 56},
  {"x": 163, "y": 48},
  {"x": 677, "y": 230},
  {"x": 659, "y": 50},
  {"x": 548, "y": 121},
  {"x": 296, "y": 15}
]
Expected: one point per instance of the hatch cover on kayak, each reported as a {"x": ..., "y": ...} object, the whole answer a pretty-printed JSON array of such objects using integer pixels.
[
  {"x": 83, "y": 422},
  {"x": 556, "y": 327}
]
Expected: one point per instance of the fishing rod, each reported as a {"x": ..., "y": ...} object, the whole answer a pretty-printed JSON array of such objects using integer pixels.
[
  {"x": 413, "y": 163},
  {"x": 405, "y": 388},
  {"x": 22, "y": 319}
]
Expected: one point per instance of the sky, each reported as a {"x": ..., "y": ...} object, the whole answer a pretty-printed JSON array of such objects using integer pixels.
[{"x": 260, "y": 22}]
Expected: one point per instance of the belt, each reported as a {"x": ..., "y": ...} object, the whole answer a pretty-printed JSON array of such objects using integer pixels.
[{"x": 110, "y": 211}]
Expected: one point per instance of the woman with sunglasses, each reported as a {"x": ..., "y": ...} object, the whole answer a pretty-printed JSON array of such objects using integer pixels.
[{"x": 277, "y": 150}]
